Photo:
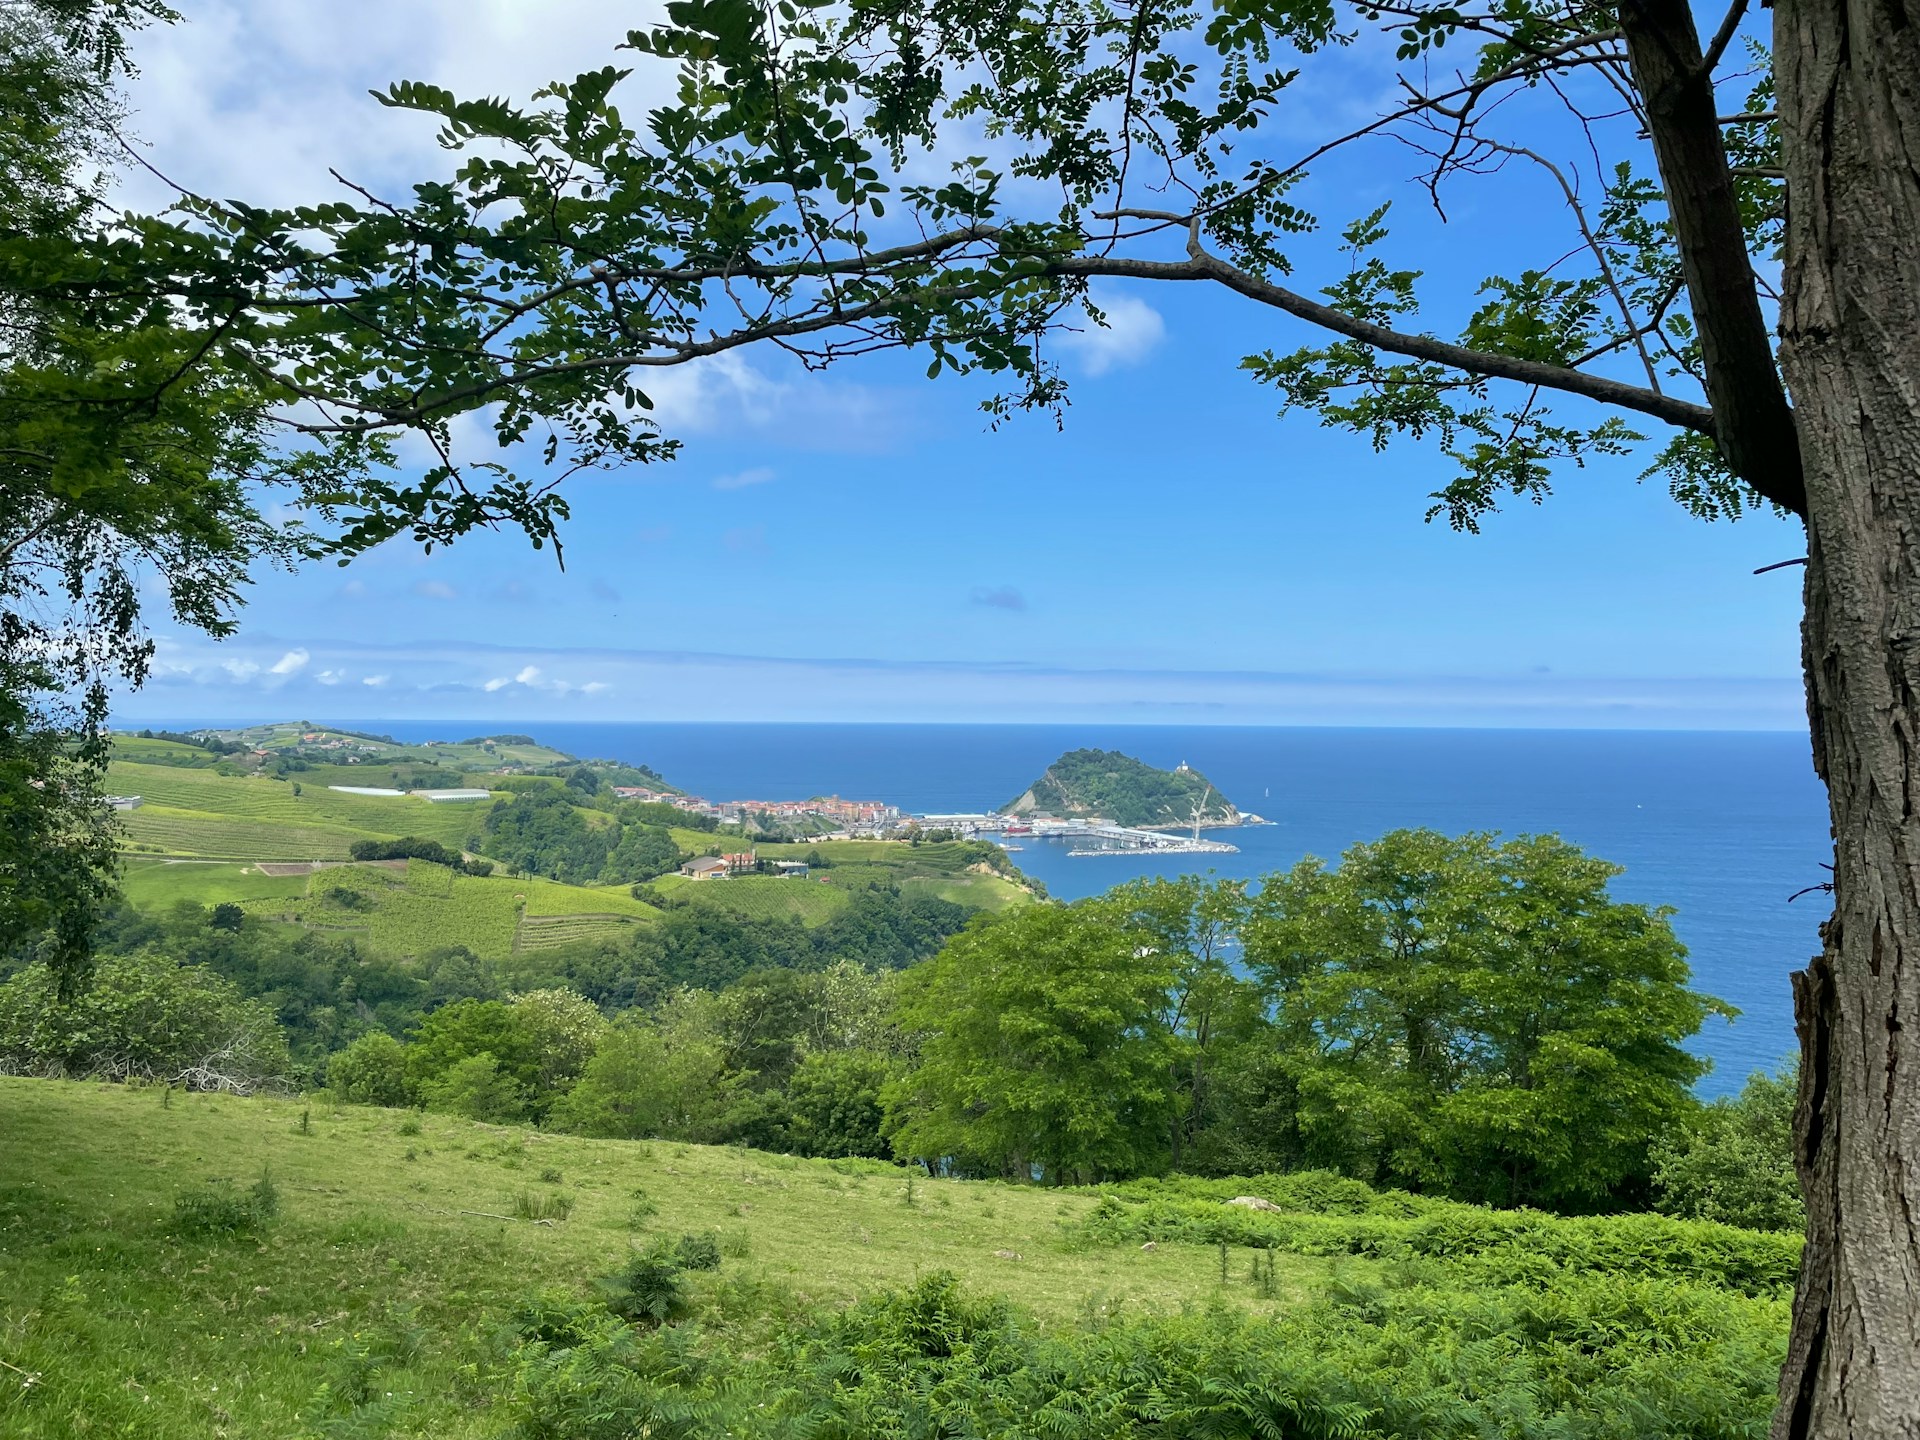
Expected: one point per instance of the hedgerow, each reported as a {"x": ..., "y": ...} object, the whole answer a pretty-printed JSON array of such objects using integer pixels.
[{"x": 1325, "y": 1214}]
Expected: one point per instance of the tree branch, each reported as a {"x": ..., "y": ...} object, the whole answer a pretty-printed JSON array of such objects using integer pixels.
[
  {"x": 1203, "y": 266},
  {"x": 1723, "y": 37},
  {"x": 1757, "y": 434}
]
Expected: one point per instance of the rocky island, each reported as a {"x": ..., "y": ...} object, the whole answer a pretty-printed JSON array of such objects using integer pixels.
[{"x": 1105, "y": 784}]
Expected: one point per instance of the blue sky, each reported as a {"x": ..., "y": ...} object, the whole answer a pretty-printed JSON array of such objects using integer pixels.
[{"x": 861, "y": 546}]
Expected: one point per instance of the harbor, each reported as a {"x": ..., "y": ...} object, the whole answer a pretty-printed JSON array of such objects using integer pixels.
[{"x": 1089, "y": 837}]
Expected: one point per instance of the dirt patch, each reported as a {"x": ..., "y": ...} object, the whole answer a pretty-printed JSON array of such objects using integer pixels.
[{"x": 307, "y": 867}]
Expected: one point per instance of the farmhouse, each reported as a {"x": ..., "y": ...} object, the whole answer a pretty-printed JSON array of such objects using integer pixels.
[{"x": 705, "y": 867}]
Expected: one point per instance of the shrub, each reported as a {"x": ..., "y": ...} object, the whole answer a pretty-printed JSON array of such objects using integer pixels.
[
  {"x": 1599, "y": 1357},
  {"x": 697, "y": 1252},
  {"x": 549, "y": 1206},
  {"x": 370, "y": 1071},
  {"x": 1734, "y": 1162},
  {"x": 1497, "y": 1246},
  {"x": 144, "y": 1017},
  {"x": 408, "y": 847},
  {"x": 217, "y": 1208},
  {"x": 475, "y": 1088},
  {"x": 648, "y": 1290}
]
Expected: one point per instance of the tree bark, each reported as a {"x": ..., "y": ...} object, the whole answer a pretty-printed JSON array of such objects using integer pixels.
[{"x": 1849, "y": 83}]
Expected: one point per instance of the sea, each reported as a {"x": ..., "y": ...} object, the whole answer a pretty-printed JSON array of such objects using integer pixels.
[{"x": 1727, "y": 829}]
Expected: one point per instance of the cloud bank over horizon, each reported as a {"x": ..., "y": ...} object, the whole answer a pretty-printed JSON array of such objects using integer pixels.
[{"x": 259, "y": 678}]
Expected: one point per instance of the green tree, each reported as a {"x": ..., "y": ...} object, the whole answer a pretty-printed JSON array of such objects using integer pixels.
[
  {"x": 1734, "y": 1161},
  {"x": 477, "y": 1087},
  {"x": 653, "y": 1080},
  {"x": 644, "y": 852},
  {"x": 1044, "y": 1049},
  {"x": 471, "y": 1030},
  {"x": 562, "y": 1030},
  {"x": 1478, "y": 1016},
  {"x": 370, "y": 1071},
  {"x": 836, "y": 1105}
]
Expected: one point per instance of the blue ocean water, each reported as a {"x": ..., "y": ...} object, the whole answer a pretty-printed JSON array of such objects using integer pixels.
[{"x": 1722, "y": 827}]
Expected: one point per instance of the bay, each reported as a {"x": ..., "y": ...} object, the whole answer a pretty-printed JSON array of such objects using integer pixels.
[{"x": 1724, "y": 828}]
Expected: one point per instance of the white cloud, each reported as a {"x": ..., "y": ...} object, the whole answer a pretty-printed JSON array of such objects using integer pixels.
[
  {"x": 1133, "y": 331},
  {"x": 330, "y": 677},
  {"x": 376, "y": 681},
  {"x": 759, "y": 475},
  {"x": 258, "y": 99},
  {"x": 291, "y": 663},
  {"x": 727, "y": 392},
  {"x": 463, "y": 681},
  {"x": 436, "y": 590}
]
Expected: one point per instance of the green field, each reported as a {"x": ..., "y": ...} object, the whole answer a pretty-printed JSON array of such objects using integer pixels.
[
  {"x": 177, "y": 800},
  {"x": 158, "y": 884},
  {"x": 760, "y": 897},
  {"x": 429, "y": 907},
  {"x": 130, "y": 1331},
  {"x": 977, "y": 892}
]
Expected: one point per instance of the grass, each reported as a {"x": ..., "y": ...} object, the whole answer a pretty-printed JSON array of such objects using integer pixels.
[
  {"x": 761, "y": 897},
  {"x": 160, "y": 884},
  {"x": 982, "y": 892},
  {"x": 427, "y": 907},
  {"x": 199, "y": 809},
  {"x": 393, "y": 1263}
]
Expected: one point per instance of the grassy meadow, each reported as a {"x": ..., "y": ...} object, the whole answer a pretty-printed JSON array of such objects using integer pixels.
[{"x": 383, "y": 1288}]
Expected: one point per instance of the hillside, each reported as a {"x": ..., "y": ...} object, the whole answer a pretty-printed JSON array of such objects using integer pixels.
[
  {"x": 401, "y": 908},
  {"x": 425, "y": 1275},
  {"x": 324, "y": 755},
  {"x": 280, "y": 847},
  {"x": 1084, "y": 784}
]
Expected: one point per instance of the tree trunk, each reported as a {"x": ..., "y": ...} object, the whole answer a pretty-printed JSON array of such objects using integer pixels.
[{"x": 1849, "y": 82}]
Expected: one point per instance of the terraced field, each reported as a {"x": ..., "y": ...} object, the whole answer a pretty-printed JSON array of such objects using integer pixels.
[{"x": 549, "y": 932}]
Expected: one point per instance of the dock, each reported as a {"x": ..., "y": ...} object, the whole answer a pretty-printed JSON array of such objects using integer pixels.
[{"x": 1127, "y": 840}]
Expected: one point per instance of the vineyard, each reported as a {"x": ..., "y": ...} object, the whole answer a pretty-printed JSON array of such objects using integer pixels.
[
  {"x": 539, "y": 932},
  {"x": 158, "y": 830},
  {"x": 551, "y": 898}
]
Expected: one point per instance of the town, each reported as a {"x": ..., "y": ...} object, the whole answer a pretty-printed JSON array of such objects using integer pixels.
[{"x": 851, "y": 819}]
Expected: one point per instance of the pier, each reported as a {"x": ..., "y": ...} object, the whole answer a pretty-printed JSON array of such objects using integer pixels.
[
  {"x": 1103, "y": 838},
  {"x": 1127, "y": 840}
]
